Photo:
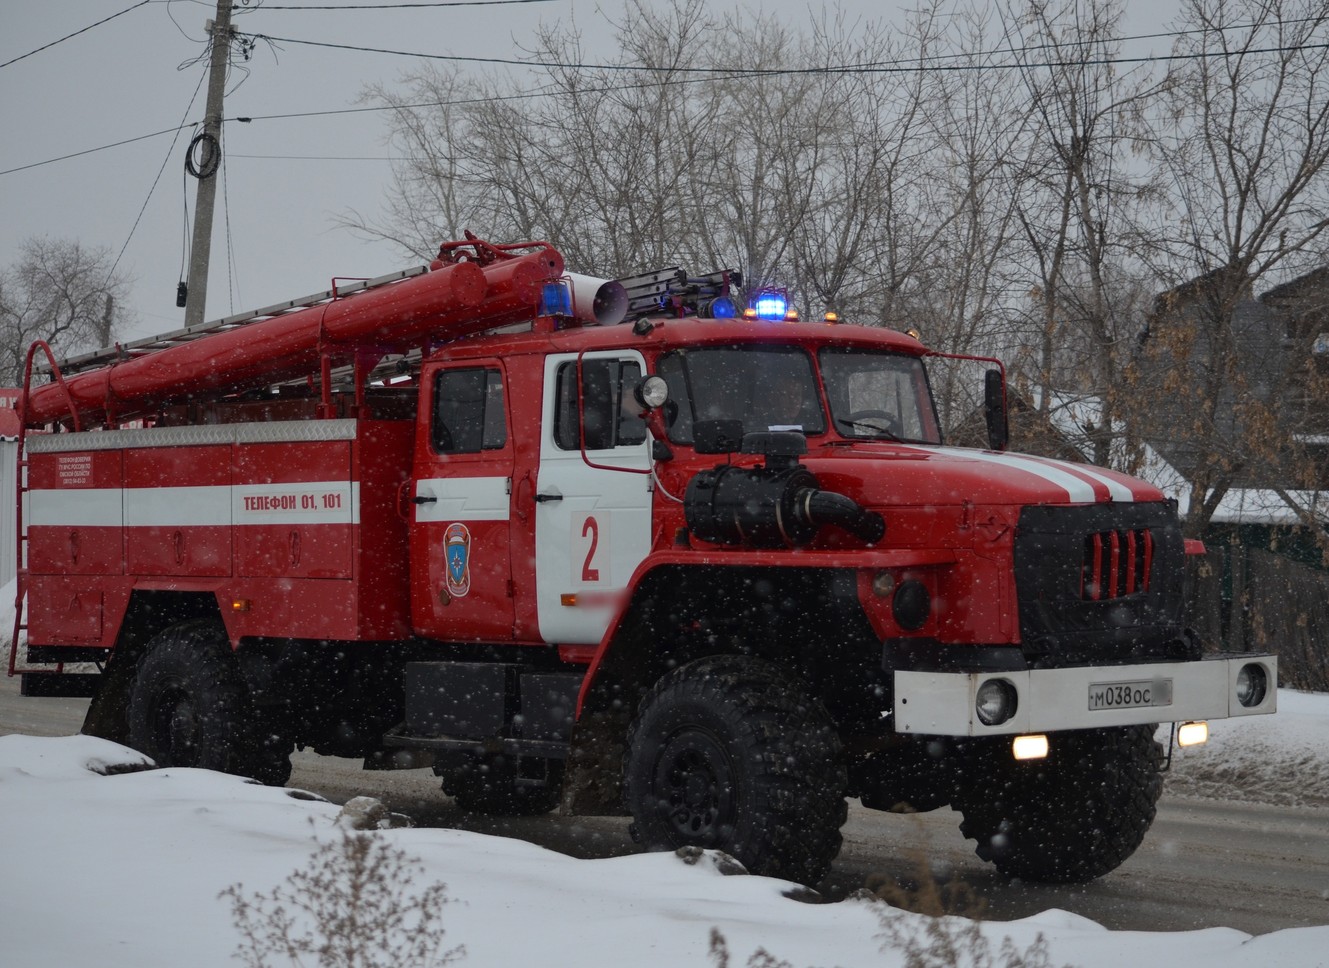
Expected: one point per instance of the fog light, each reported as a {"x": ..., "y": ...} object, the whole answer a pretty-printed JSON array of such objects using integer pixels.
[
  {"x": 1030, "y": 747},
  {"x": 1252, "y": 685},
  {"x": 1192, "y": 734},
  {"x": 883, "y": 583},
  {"x": 995, "y": 702}
]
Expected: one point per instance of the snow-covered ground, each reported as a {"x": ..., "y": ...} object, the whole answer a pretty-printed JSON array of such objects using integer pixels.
[
  {"x": 1281, "y": 759},
  {"x": 114, "y": 869}
]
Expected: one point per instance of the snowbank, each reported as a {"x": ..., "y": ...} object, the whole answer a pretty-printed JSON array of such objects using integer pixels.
[
  {"x": 115, "y": 869},
  {"x": 1281, "y": 759}
]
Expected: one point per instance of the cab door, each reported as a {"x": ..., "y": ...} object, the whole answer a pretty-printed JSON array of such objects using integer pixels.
[
  {"x": 592, "y": 494},
  {"x": 461, "y": 569}
]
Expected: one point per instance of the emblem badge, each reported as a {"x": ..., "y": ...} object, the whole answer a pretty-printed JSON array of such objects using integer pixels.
[{"x": 457, "y": 553}]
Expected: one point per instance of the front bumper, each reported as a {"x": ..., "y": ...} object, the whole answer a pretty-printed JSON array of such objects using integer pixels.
[{"x": 1048, "y": 700}]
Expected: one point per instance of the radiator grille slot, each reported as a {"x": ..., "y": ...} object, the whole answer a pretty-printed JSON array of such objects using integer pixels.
[{"x": 1116, "y": 564}]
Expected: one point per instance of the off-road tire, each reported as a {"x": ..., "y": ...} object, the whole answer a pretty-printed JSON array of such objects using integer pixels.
[
  {"x": 488, "y": 785},
  {"x": 730, "y": 753},
  {"x": 189, "y": 707},
  {"x": 1071, "y": 817}
]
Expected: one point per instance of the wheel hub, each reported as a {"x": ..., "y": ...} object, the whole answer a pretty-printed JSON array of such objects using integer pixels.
[{"x": 695, "y": 788}]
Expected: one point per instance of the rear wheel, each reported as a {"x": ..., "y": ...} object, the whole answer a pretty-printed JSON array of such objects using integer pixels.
[
  {"x": 189, "y": 707},
  {"x": 729, "y": 753},
  {"x": 1071, "y": 817}
]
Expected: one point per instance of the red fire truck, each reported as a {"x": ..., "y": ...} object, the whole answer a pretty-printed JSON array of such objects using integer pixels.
[{"x": 645, "y": 546}]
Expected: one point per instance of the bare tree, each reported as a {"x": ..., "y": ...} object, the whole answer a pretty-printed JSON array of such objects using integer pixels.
[
  {"x": 1245, "y": 144},
  {"x": 429, "y": 202},
  {"x": 1078, "y": 196},
  {"x": 604, "y": 162},
  {"x": 704, "y": 142},
  {"x": 59, "y": 291},
  {"x": 977, "y": 136}
]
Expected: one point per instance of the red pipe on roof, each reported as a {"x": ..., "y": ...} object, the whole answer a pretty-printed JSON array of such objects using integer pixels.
[{"x": 460, "y": 296}]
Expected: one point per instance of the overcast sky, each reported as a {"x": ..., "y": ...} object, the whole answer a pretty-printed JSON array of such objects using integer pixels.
[{"x": 285, "y": 179}]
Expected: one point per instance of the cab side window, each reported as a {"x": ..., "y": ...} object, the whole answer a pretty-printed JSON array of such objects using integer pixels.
[
  {"x": 469, "y": 411},
  {"x": 611, "y": 415}
]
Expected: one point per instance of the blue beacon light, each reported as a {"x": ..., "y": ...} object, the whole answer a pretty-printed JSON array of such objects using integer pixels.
[
  {"x": 555, "y": 300},
  {"x": 722, "y": 307},
  {"x": 770, "y": 305}
]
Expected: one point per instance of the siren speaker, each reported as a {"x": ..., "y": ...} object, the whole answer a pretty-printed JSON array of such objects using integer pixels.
[{"x": 599, "y": 301}]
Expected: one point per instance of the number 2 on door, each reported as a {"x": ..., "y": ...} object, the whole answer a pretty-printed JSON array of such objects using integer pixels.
[{"x": 590, "y": 528}]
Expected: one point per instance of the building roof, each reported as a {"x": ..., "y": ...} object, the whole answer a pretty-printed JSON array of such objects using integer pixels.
[{"x": 1070, "y": 414}]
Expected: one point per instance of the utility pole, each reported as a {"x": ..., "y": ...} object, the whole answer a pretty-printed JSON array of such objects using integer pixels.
[{"x": 201, "y": 246}]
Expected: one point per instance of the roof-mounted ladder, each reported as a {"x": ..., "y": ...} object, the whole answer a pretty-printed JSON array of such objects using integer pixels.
[{"x": 142, "y": 347}]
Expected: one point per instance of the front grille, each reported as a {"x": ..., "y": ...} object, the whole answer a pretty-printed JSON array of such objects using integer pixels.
[
  {"x": 1116, "y": 564},
  {"x": 1099, "y": 582}
]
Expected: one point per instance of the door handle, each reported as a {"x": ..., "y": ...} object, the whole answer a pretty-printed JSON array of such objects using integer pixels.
[
  {"x": 424, "y": 500},
  {"x": 542, "y": 498}
]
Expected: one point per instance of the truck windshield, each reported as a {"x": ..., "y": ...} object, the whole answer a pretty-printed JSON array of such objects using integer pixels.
[
  {"x": 878, "y": 395},
  {"x": 762, "y": 387},
  {"x": 873, "y": 395}
]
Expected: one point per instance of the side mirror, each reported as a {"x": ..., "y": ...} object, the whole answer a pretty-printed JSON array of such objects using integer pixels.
[{"x": 994, "y": 410}]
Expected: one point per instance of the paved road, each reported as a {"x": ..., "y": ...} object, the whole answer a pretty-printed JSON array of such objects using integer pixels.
[{"x": 1205, "y": 863}]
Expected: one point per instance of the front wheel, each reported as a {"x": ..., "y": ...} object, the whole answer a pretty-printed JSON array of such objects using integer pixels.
[
  {"x": 1068, "y": 818},
  {"x": 729, "y": 753}
]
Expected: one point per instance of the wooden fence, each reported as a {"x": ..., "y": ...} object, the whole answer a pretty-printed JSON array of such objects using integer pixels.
[{"x": 1241, "y": 598}]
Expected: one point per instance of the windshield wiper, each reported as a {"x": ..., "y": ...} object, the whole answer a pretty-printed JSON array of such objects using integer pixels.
[{"x": 871, "y": 424}]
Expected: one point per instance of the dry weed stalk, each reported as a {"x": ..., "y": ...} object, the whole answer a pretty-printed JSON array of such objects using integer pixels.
[{"x": 350, "y": 906}]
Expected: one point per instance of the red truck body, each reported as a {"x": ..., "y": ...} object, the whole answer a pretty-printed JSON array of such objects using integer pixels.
[{"x": 439, "y": 523}]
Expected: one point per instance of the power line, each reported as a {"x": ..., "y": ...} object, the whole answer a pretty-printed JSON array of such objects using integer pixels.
[
  {"x": 398, "y": 6},
  {"x": 706, "y": 74},
  {"x": 74, "y": 34},
  {"x": 460, "y": 58},
  {"x": 165, "y": 161},
  {"x": 678, "y": 82},
  {"x": 491, "y": 99},
  {"x": 88, "y": 151},
  {"x": 317, "y": 157},
  {"x": 880, "y": 67},
  {"x": 232, "y": 286}
]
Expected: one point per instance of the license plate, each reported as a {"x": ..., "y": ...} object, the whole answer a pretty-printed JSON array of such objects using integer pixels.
[{"x": 1130, "y": 695}]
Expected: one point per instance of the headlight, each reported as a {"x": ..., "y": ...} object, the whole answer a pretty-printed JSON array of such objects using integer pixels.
[
  {"x": 652, "y": 392},
  {"x": 995, "y": 702},
  {"x": 1252, "y": 684}
]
